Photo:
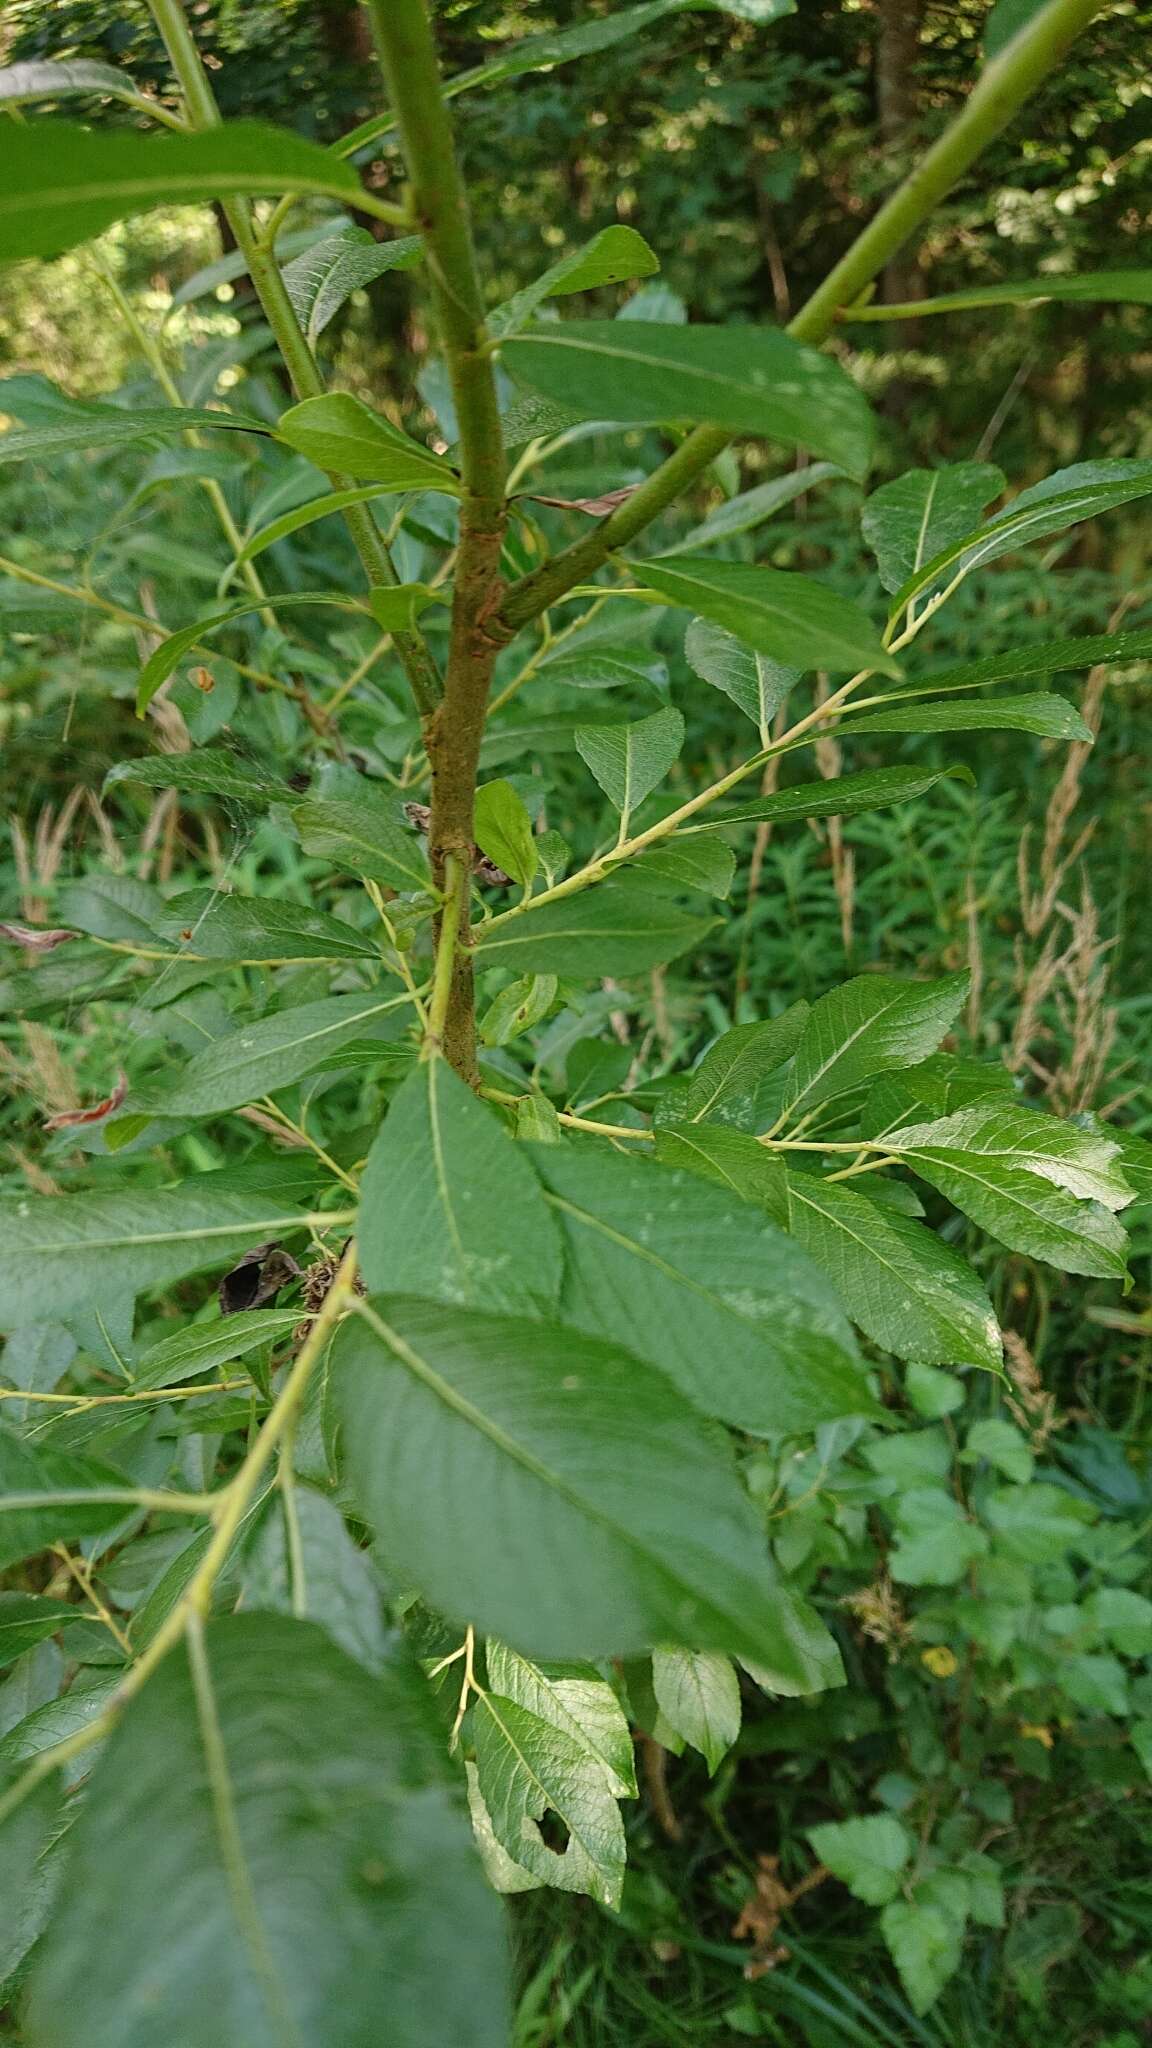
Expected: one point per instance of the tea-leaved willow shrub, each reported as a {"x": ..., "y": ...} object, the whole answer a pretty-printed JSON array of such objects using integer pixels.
[{"x": 504, "y": 1411}]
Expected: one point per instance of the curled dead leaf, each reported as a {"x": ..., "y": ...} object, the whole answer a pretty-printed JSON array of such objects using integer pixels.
[
  {"x": 66, "y": 1117},
  {"x": 35, "y": 941},
  {"x": 256, "y": 1279}
]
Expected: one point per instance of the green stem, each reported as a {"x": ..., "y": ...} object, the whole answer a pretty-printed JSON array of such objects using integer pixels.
[
  {"x": 412, "y": 78},
  {"x": 457, "y": 890},
  {"x": 280, "y": 314},
  {"x": 997, "y": 96}
]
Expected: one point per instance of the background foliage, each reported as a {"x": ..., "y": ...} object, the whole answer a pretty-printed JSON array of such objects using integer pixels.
[{"x": 995, "y": 1736}]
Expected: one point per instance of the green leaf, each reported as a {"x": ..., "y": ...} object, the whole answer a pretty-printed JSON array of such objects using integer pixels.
[
  {"x": 112, "y": 907},
  {"x": 26, "y": 1620},
  {"x": 25, "y": 1869},
  {"x": 793, "y": 618},
  {"x": 259, "y": 928},
  {"x": 759, "y": 686},
  {"x": 618, "y": 928},
  {"x": 63, "y": 184},
  {"x": 933, "y": 1393},
  {"x": 450, "y": 1208},
  {"x": 205, "y": 1347},
  {"x": 339, "y": 432},
  {"x": 902, "y": 1286},
  {"x": 1061, "y": 500},
  {"x": 1097, "y": 1684},
  {"x": 517, "y": 1008},
  {"x": 79, "y": 428},
  {"x": 1123, "y": 1618},
  {"x": 629, "y": 761},
  {"x": 574, "y": 1698},
  {"x": 67, "y": 1250},
  {"x": 698, "y": 1694},
  {"x": 909, "y": 521},
  {"x": 1046, "y": 658},
  {"x": 213, "y": 771},
  {"x": 313, "y": 1568},
  {"x": 845, "y": 796},
  {"x": 1024, "y": 1211},
  {"x": 306, "y": 515},
  {"x": 704, "y": 1289},
  {"x": 366, "y": 834},
  {"x": 926, "y": 1946},
  {"x": 937, "y": 1542},
  {"x": 869, "y": 1854},
  {"x": 397, "y": 606},
  {"x": 1088, "y": 1163},
  {"x": 1052, "y": 717},
  {"x": 724, "y": 1085},
  {"x": 269, "y": 1054},
  {"x": 38, "y": 1486},
  {"x": 172, "y": 650},
  {"x": 1099, "y": 287},
  {"x": 621, "y": 1522},
  {"x": 1006, "y": 1448},
  {"x": 611, "y": 256},
  {"x": 43, "y": 79},
  {"x": 869, "y": 1026},
  {"x": 940, "y": 1084},
  {"x": 324, "y": 276},
  {"x": 318, "y": 1855},
  {"x": 1037, "y": 1524},
  {"x": 504, "y": 831},
  {"x": 750, "y": 509},
  {"x": 705, "y": 863},
  {"x": 753, "y": 380},
  {"x": 526, "y": 1767}
]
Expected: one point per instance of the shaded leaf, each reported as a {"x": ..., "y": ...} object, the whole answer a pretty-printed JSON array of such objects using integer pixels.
[
  {"x": 36, "y": 1482},
  {"x": 629, "y": 761},
  {"x": 450, "y": 1207},
  {"x": 621, "y": 1522},
  {"x": 793, "y": 618},
  {"x": 213, "y": 926},
  {"x": 907, "y": 1290},
  {"x": 211, "y": 770},
  {"x": 318, "y": 1856},
  {"x": 204, "y": 1347},
  {"x": 270, "y": 1053},
  {"x": 1052, "y": 717},
  {"x": 754, "y": 380},
  {"x": 698, "y": 1694},
  {"x": 67, "y": 1251},
  {"x": 26, "y": 1619},
  {"x": 611, "y": 256},
  {"x": 339, "y": 432},
  {"x": 843, "y": 796},
  {"x": 869, "y": 1854},
  {"x": 704, "y": 1289},
  {"x": 868, "y": 1026},
  {"x": 921, "y": 513},
  {"x": 750, "y": 509},
  {"x": 618, "y": 928},
  {"x": 366, "y": 834},
  {"x": 324, "y": 276},
  {"x": 63, "y": 184},
  {"x": 758, "y": 685}
]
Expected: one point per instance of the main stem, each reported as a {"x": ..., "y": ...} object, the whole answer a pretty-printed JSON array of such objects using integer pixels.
[
  {"x": 998, "y": 94},
  {"x": 412, "y": 78},
  {"x": 280, "y": 314}
]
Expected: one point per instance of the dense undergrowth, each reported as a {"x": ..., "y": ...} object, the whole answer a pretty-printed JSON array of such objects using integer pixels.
[{"x": 949, "y": 1849}]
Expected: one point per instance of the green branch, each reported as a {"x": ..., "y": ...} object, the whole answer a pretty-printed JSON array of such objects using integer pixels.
[
  {"x": 997, "y": 96},
  {"x": 299, "y": 361}
]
